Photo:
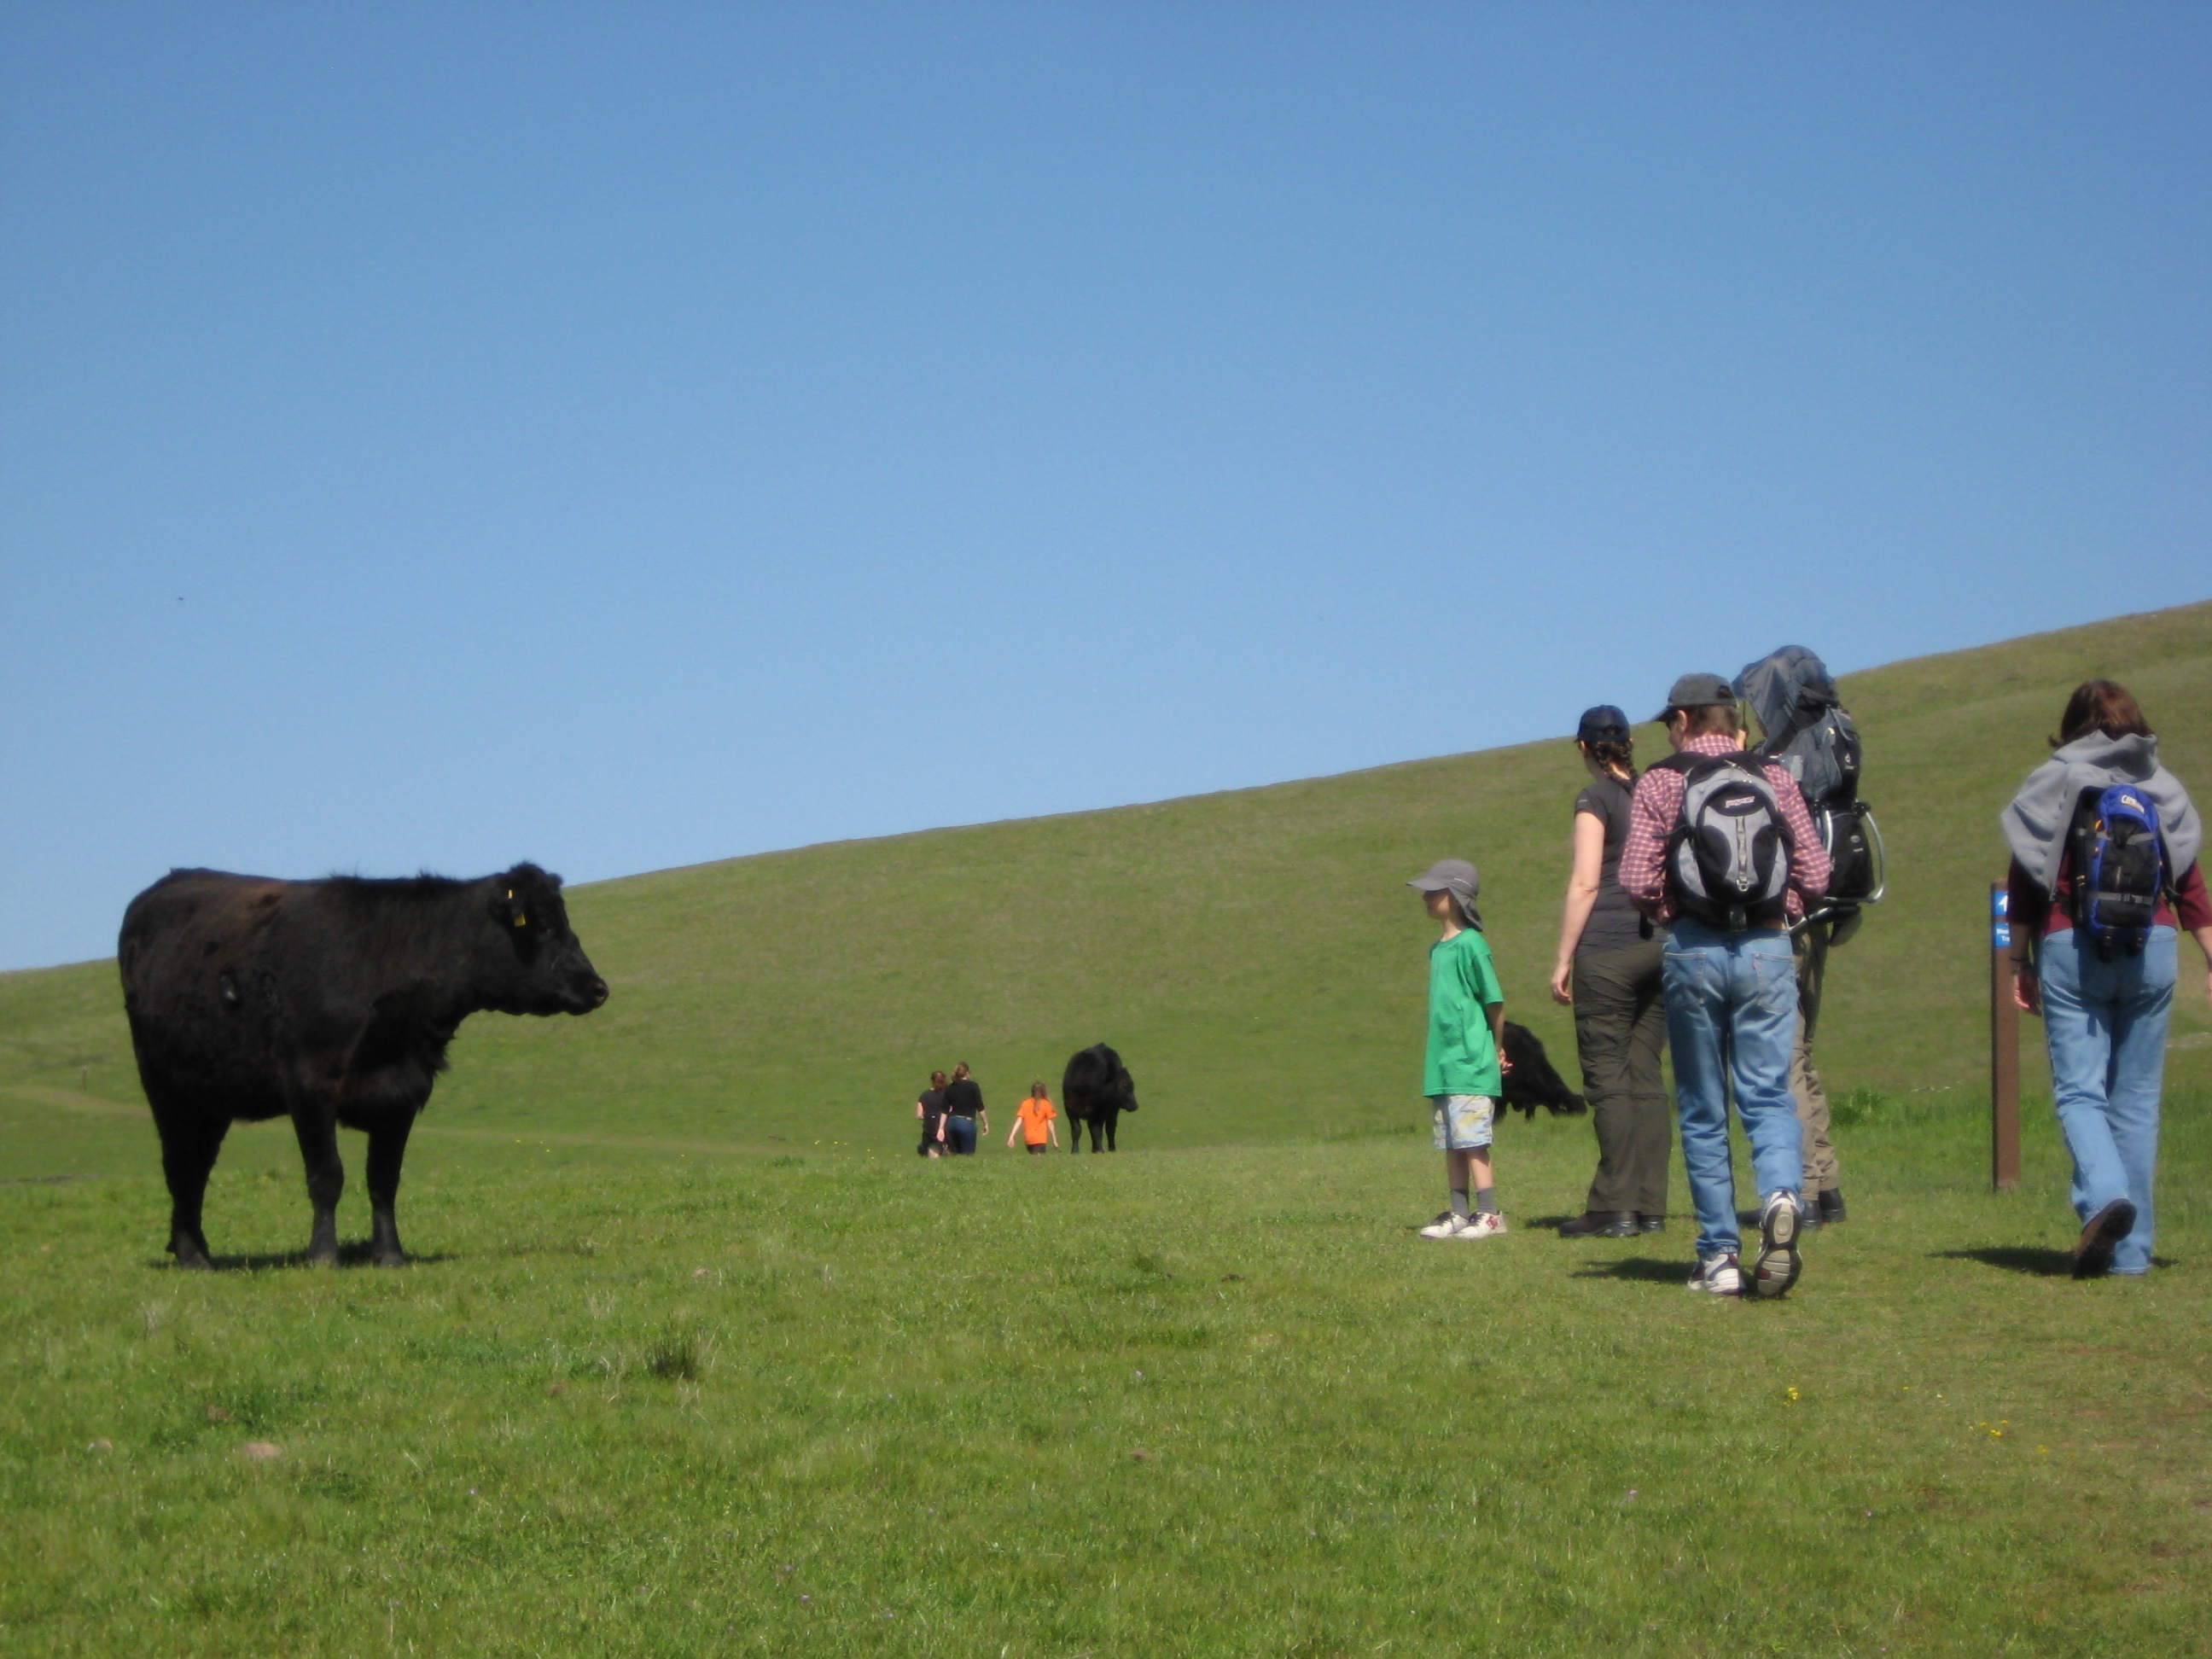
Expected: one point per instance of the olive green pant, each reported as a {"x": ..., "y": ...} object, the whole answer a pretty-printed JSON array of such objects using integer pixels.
[
  {"x": 1620, "y": 1029},
  {"x": 1823, "y": 1171}
]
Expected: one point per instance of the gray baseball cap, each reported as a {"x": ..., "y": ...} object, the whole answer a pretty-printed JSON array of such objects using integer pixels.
[
  {"x": 1459, "y": 878},
  {"x": 1697, "y": 691}
]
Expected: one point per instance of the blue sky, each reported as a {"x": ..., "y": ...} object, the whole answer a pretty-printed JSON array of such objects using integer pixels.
[{"x": 623, "y": 436}]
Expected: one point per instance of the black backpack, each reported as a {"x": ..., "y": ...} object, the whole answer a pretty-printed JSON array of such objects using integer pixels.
[
  {"x": 1727, "y": 859},
  {"x": 2120, "y": 868}
]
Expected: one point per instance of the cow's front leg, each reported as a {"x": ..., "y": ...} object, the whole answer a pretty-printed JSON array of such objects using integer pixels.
[
  {"x": 315, "y": 1122},
  {"x": 387, "y": 1145},
  {"x": 1113, "y": 1122},
  {"x": 189, "y": 1145}
]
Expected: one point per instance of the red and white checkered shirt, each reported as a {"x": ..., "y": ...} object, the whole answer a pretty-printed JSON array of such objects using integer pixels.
[{"x": 1658, "y": 802}]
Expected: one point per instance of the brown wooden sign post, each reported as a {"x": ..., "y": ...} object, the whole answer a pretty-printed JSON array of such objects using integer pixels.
[{"x": 2004, "y": 1050}]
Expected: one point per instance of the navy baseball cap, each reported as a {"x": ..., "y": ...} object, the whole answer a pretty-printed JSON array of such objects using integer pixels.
[{"x": 1603, "y": 724}]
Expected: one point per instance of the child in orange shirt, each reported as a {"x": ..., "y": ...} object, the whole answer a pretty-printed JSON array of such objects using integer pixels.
[{"x": 1033, "y": 1121}]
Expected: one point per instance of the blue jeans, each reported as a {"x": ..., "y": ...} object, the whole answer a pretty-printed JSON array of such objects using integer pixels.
[
  {"x": 960, "y": 1137},
  {"x": 1732, "y": 1009},
  {"x": 2105, "y": 1023}
]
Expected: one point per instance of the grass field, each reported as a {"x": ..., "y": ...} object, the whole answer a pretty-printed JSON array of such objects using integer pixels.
[
  {"x": 1213, "y": 1402},
  {"x": 699, "y": 1357}
]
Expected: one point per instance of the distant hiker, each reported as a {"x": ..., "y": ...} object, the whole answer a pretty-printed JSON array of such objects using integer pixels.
[
  {"x": 930, "y": 1109},
  {"x": 1721, "y": 846},
  {"x": 1607, "y": 972},
  {"x": 2105, "y": 843},
  {"x": 1462, "y": 1073},
  {"x": 963, "y": 1112},
  {"x": 1810, "y": 734},
  {"x": 1033, "y": 1123}
]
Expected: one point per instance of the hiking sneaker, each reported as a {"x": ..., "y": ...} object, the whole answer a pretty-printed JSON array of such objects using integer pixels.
[
  {"x": 1718, "y": 1275},
  {"x": 1447, "y": 1225},
  {"x": 1778, "y": 1263},
  {"x": 1488, "y": 1224},
  {"x": 1831, "y": 1206},
  {"x": 2093, "y": 1253}
]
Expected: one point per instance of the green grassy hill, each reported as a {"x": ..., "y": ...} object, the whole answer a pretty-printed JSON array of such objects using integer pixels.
[
  {"x": 637, "y": 1397},
  {"x": 1254, "y": 954}
]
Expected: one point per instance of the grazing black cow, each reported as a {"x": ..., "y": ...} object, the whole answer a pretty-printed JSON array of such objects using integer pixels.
[
  {"x": 1095, "y": 1089},
  {"x": 332, "y": 1002},
  {"x": 1532, "y": 1082}
]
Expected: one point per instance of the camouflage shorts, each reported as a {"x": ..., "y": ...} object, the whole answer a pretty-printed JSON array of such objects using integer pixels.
[{"x": 1462, "y": 1122}]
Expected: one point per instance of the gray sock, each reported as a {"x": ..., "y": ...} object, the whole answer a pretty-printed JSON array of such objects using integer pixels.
[
  {"x": 1485, "y": 1200},
  {"x": 1459, "y": 1200}
]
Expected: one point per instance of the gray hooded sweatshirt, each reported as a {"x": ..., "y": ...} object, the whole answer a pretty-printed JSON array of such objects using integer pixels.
[{"x": 2035, "y": 823}]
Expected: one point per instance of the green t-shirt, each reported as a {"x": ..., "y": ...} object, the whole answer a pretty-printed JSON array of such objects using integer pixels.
[{"x": 1463, "y": 986}]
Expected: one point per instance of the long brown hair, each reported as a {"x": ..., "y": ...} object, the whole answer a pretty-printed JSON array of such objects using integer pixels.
[{"x": 2103, "y": 706}]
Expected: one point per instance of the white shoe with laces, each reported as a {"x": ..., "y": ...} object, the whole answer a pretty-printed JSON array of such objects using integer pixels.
[
  {"x": 1447, "y": 1225},
  {"x": 1718, "y": 1275},
  {"x": 1779, "y": 1262},
  {"x": 1487, "y": 1225}
]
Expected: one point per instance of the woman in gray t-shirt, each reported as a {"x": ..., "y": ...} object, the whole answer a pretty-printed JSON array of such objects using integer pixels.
[{"x": 1609, "y": 971}]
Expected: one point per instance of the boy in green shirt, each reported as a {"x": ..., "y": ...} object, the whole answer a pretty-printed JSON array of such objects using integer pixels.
[{"x": 1465, "y": 1067}]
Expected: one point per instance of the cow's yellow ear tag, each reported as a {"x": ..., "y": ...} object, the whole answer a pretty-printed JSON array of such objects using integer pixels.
[{"x": 521, "y": 921}]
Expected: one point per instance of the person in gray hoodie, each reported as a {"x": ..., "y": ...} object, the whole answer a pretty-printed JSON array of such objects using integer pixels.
[{"x": 2105, "y": 1009}]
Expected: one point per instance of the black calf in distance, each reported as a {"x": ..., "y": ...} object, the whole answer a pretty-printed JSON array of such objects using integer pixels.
[
  {"x": 1532, "y": 1082},
  {"x": 1095, "y": 1089},
  {"x": 331, "y": 1002}
]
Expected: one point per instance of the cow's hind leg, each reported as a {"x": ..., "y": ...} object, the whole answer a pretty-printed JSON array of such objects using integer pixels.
[
  {"x": 316, "y": 1125},
  {"x": 387, "y": 1145},
  {"x": 189, "y": 1145}
]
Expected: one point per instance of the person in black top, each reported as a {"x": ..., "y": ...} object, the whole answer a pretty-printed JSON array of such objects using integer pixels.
[
  {"x": 963, "y": 1112},
  {"x": 1608, "y": 971},
  {"x": 930, "y": 1109}
]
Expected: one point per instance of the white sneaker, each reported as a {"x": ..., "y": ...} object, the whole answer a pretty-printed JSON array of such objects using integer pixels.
[
  {"x": 1779, "y": 1263},
  {"x": 1447, "y": 1225},
  {"x": 1487, "y": 1225},
  {"x": 1718, "y": 1275}
]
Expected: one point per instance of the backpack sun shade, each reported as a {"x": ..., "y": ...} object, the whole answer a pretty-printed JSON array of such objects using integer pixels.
[{"x": 1811, "y": 736}]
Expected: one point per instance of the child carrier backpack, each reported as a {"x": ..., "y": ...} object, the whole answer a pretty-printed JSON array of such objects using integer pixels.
[
  {"x": 1727, "y": 859},
  {"x": 1811, "y": 736},
  {"x": 2119, "y": 867}
]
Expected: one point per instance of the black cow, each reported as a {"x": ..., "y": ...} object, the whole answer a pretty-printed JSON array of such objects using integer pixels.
[
  {"x": 1095, "y": 1089},
  {"x": 1531, "y": 1082},
  {"x": 332, "y": 1002}
]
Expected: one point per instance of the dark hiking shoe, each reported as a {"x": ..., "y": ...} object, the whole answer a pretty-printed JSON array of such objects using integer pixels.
[
  {"x": 1808, "y": 1216},
  {"x": 2092, "y": 1252},
  {"x": 1778, "y": 1263},
  {"x": 1831, "y": 1206},
  {"x": 1651, "y": 1224},
  {"x": 1601, "y": 1224}
]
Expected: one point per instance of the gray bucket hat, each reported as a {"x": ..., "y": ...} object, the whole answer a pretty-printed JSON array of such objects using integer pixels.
[{"x": 1459, "y": 878}]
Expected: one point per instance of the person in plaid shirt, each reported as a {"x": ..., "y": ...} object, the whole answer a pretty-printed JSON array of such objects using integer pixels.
[{"x": 1731, "y": 1002}]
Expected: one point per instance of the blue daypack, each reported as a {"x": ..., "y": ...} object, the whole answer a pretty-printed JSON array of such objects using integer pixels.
[{"x": 2119, "y": 867}]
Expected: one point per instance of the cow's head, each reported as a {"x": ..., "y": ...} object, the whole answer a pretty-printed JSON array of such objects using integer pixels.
[{"x": 542, "y": 969}]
